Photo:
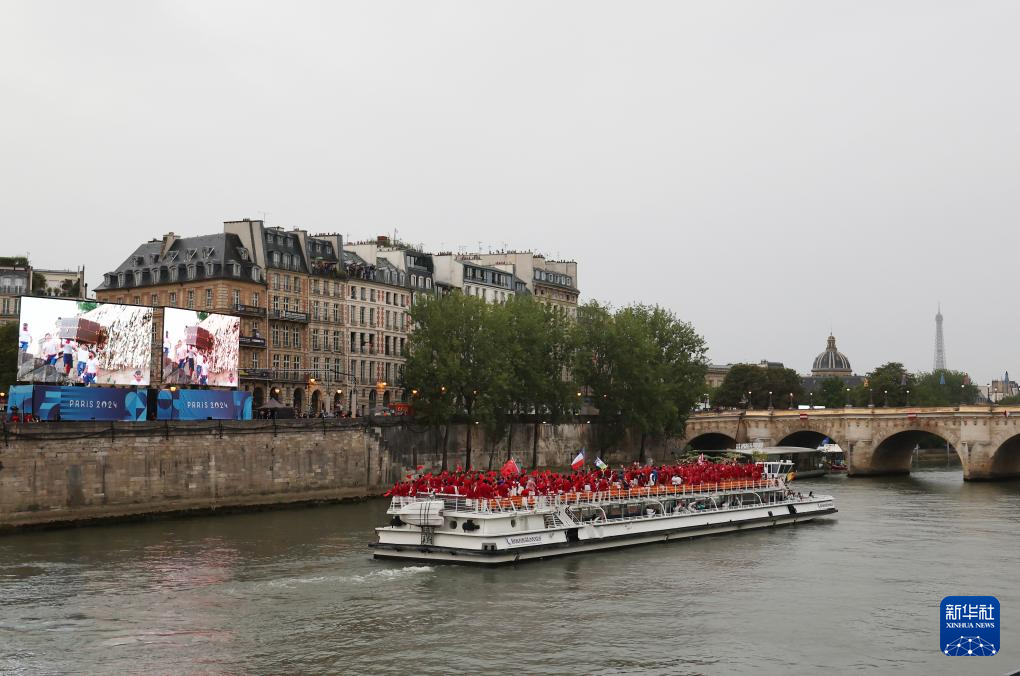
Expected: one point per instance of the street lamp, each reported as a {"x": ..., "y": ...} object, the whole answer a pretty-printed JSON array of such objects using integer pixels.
[
  {"x": 848, "y": 397},
  {"x": 908, "y": 397},
  {"x": 886, "y": 398},
  {"x": 750, "y": 406},
  {"x": 871, "y": 398},
  {"x": 791, "y": 401},
  {"x": 770, "y": 400},
  {"x": 811, "y": 402}
]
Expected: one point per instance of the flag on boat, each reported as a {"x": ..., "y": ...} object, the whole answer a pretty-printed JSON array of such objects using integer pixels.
[
  {"x": 510, "y": 467},
  {"x": 600, "y": 463},
  {"x": 578, "y": 461}
]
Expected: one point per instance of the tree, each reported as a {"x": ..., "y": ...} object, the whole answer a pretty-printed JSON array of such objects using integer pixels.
[
  {"x": 457, "y": 363},
  {"x": 70, "y": 288},
  {"x": 538, "y": 348},
  {"x": 38, "y": 284},
  {"x": 1011, "y": 400},
  {"x": 644, "y": 368},
  {"x": 832, "y": 393},
  {"x": 759, "y": 381},
  {"x": 889, "y": 384},
  {"x": 943, "y": 388},
  {"x": 8, "y": 355}
]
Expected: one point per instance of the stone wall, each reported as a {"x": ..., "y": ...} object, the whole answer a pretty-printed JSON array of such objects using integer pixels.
[
  {"x": 56, "y": 473},
  {"x": 81, "y": 471}
]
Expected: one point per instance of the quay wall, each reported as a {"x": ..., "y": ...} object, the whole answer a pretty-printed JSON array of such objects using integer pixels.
[{"x": 72, "y": 473}]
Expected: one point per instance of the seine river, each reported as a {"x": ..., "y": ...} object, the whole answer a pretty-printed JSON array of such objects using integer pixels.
[{"x": 296, "y": 592}]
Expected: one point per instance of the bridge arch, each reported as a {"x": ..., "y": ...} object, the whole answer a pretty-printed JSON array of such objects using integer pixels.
[
  {"x": 711, "y": 441},
  {"x": 893, "y": 454},
  {"x": 1006, "y": 458},
  {"x": 806, "y": 438}
]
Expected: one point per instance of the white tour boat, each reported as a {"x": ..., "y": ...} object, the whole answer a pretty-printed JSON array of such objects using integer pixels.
[{"x": 455, "y": 529}]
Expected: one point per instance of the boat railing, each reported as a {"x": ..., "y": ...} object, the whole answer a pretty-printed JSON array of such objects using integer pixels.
[{"x": 531, "y": 503}]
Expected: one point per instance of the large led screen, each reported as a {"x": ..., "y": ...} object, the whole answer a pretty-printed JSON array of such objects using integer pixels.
[
  {"x": 199, "y": 348},
  {"x": 66, "y": 342}
]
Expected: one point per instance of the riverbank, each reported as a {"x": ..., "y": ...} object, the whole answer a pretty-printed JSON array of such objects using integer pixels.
[{"x": 71, "y": 474}]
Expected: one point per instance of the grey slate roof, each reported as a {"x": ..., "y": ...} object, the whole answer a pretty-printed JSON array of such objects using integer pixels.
[{"x": 212, "y": 256}]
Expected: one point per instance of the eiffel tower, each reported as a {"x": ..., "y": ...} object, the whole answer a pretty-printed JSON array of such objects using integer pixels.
[{"x": 940, "y": 346}]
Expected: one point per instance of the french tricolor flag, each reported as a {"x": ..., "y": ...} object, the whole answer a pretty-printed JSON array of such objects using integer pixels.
[{"x": 578, "y": 461}]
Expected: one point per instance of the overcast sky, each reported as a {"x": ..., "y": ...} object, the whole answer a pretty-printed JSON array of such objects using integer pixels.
[{"x": 767, "y": 170}]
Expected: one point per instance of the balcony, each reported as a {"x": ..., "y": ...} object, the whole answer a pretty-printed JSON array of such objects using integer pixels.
[
  {"x": 289, "y": 316},
  {"x": 252, "y": 341},
  {"x": 249, "y": 310},
  {"x": 253, "y": 374}
]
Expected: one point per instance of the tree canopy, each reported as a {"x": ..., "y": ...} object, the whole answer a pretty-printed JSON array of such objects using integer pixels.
[
  {"x": 643, "y": 368},
  {"x": 759, "y": 381}
]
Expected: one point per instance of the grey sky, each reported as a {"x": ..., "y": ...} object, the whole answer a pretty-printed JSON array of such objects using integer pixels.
[{"x": 765, "y": 169}]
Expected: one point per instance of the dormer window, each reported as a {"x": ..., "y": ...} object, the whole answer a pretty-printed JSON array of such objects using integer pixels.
[
  {"x": 208, "y": 252},
  {"x": 243, "y": 252},
  {"x": 139, "y": 260},
  {"x": 120, "y": 279},
  {"x": 191, "y": 271},
  {"x": 236, "y": 269},
  {"x": 190, "y": 254},
  {"x": 171, "y": 257},
  {"x": 256, "y": 273}
]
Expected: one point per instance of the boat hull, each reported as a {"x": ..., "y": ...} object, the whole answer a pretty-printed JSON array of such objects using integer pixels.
[{"x": 426, "y": 553}]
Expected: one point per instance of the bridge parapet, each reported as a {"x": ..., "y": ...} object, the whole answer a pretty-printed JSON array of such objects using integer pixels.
[{"x": 879, "y": 440}]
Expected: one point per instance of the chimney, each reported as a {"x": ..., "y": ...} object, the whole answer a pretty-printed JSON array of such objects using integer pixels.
[{"x": 168, "y": 242}]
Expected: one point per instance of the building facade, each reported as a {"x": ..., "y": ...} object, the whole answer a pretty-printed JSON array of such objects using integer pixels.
[
  {"x": 324, "y": 323},
  {"x": 210, "y": 273}
]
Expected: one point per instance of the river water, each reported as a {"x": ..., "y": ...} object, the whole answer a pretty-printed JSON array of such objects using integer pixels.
[{"x": 297, "y": 592}]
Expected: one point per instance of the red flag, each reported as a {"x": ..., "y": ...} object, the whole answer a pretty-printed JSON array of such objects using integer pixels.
[{"x": 510, "y": 467}]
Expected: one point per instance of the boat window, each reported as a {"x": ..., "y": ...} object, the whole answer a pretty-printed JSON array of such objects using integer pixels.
[
  {"x": 513, "y": 523},
  {"x": 453, "y": 523}
]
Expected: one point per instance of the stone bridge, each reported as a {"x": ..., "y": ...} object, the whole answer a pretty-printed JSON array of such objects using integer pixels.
[{"x": 876, "y": 440}]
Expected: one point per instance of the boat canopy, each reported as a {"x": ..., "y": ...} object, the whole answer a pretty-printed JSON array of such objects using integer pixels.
[{"x": 774, "y": 450}]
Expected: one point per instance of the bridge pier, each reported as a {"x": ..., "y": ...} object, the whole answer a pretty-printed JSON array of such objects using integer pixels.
[{"x": 881, "y": 440}]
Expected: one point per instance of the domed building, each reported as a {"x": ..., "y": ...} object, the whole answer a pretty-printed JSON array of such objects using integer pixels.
[{"x": 831, "y": 363}]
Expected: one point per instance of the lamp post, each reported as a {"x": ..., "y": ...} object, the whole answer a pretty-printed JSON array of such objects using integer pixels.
[
  {"x": 848, "y": 397},
  {"x": 908, "y": 397},
  {"x": 750, "y": 406},
  {"x": 811, "y": 400},
  {"x": 791, "y": 401},
  {"x": 770, "y": 400},
  {"x": 886, "y": 398},
  {"x": 871, "y": 398}
]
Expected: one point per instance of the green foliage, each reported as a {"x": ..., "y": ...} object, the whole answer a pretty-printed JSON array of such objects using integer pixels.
[
  {"x": 38, "y": 284},
  {"x": 643, "y": 367},
  {"x": 889, "y": 384},
  {"x": 87, "y": 305},
  {"x": 70, "y": 288},
  {"x": 202, "y": 316},
  {"x": 486, "y": 362},
  {"x": 8, "y": 355},
  {"x": 943, "y": 388},
  {"x": 759, "y": 381},
  {"x": 832, "y": 393},
  {"x": 14, "y": 261},
  {"x": 1009, "y": 401}
]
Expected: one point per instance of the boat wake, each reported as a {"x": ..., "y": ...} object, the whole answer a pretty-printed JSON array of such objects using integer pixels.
[{"x": 386, "y": 575}]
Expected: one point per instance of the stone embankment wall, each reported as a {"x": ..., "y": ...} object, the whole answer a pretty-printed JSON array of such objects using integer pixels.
[{"x": 64, "y": 473}]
